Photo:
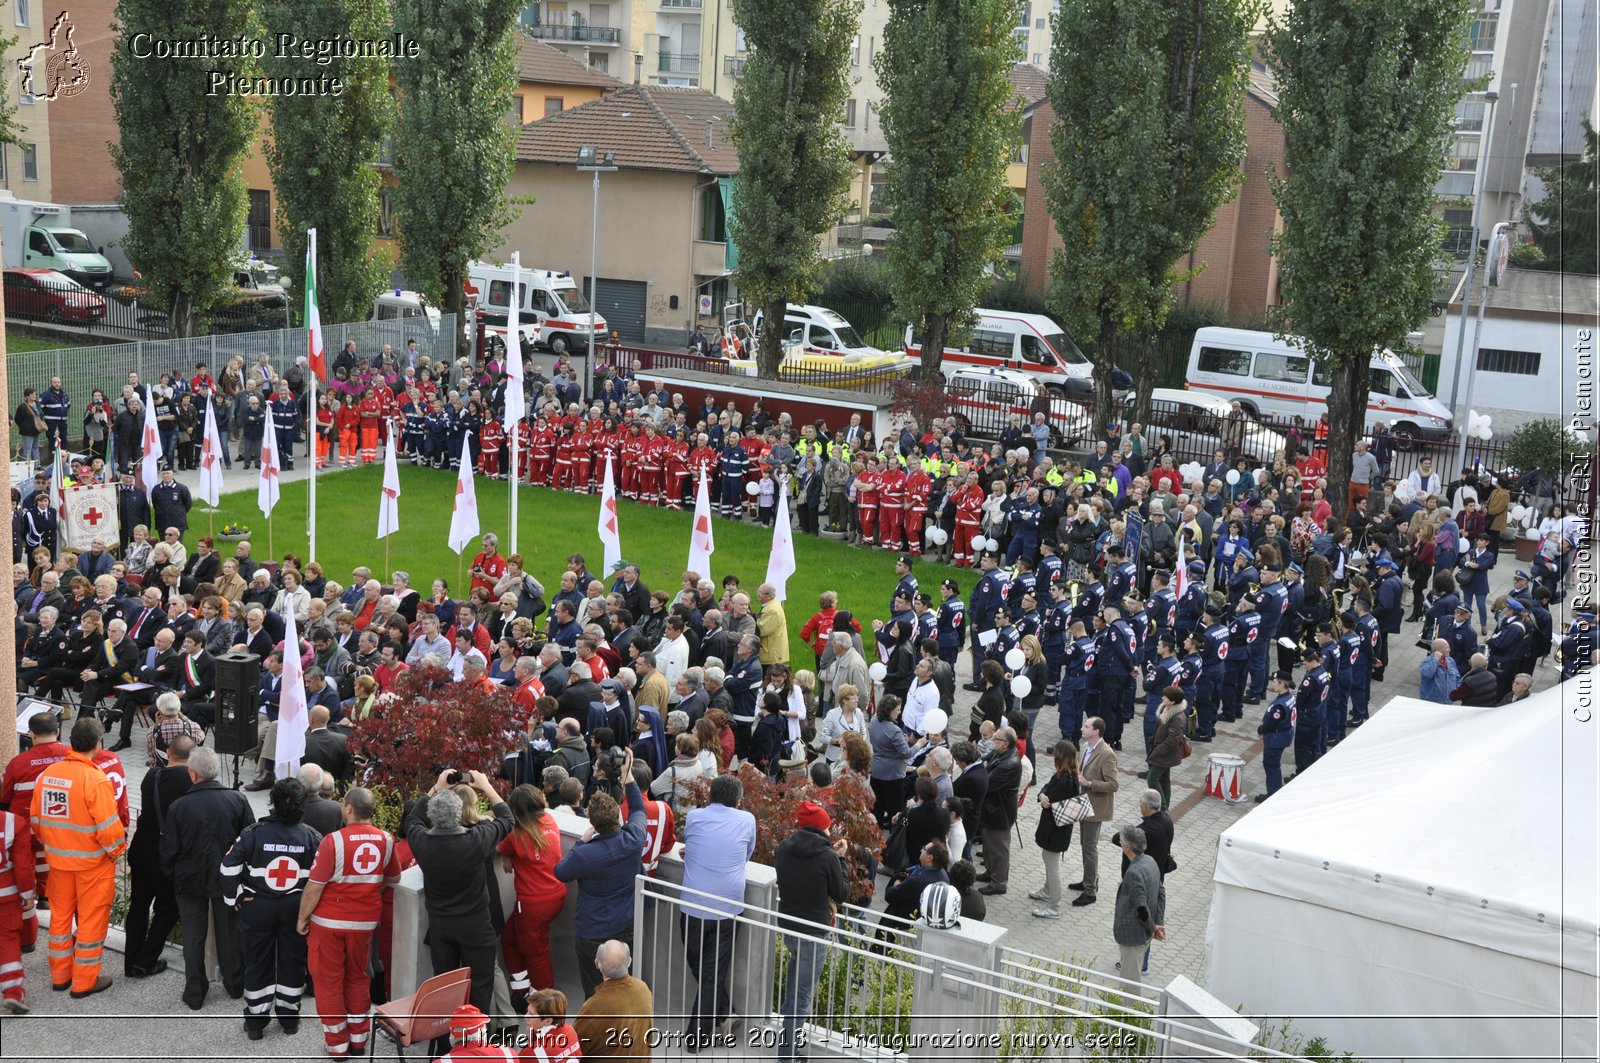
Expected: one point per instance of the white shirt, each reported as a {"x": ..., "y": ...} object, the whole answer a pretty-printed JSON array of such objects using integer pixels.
[
  {"x": 1421, "y": 488},
  {"x": 919, "y": 699},
  {"x": 672, "y": 658}
]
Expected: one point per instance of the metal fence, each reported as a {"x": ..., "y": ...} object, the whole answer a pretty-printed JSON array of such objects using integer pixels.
[{"x": 106, "y": 366}]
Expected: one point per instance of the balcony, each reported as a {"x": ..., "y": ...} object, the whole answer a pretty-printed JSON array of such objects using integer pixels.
[
  {"x": 581, "y": 34},
  {"x": 733, "y": 66},
  {"x": 678, "y": 64},
  {"x": 670, "y": 6}
]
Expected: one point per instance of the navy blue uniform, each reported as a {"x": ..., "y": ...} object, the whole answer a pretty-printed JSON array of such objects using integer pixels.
[
  {"x": 1277, "y": 733},
  {"x": 1162, "y": 609},
  {"x": 1053, "y": 639},
  {"x": 266, "y": 872},
  {"x": 1577, "y": 646},
  {"x": 1050, "y": 571},
  {"x": 1243, "y": 634},
  {"x": 735, "y": 461},
  {"x": 1214, "y": 658},
  {"x": 1315, "y": 692},
  {"x": 1022, "y": 518},
  {"x": 1506, "y": 651},
  {"x": 1191, "y": 607},
  {"x": 1078, "y": 660},
  {"x": 1366, "y": 666},
  {"x": 1159, "y": 674},
  {"x": 1272, "y": 609},
  {"x": 952, "y": 629},
  {"x": 1115, "y": 663},
  {"x": 988, "y": 596},
  {"x": 1239, "y": 583},
  {"x": 1022, "y": 583},
  {"x": 1121, "y": 580},
  {"x": 906, "y": 588},
  {"x": 1293, "y": 624},
  {"x": 284, "y": 418},
  {"x": 1089, "y": 602},
  {"x": 1463, "y": 639}
]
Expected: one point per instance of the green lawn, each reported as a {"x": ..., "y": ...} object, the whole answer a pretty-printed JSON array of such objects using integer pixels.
[
  {"x": 554, "y": 524},
  {"x": 17, "y": 344}
]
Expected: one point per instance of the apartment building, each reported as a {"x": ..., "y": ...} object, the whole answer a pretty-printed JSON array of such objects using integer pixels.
[{"x": 25, "y": 168}]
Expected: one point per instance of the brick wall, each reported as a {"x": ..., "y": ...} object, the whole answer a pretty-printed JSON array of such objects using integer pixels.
[
  {"x": 82, "y": 127},
  {"x": 1239, "y": 272}
]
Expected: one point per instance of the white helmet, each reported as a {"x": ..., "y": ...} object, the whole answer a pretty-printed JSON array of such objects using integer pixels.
[{"x": 941, "y": 905}]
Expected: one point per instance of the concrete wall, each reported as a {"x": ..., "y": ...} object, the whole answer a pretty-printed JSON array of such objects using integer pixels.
[
  {"x": 1514, "y": 399},
  {"x": 648, "y": 225}
]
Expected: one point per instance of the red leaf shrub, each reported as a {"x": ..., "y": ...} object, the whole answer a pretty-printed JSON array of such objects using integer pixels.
[{"x": 429, "y": 722}]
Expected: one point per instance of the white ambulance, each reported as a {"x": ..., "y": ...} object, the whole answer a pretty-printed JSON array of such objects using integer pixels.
[
  {"x": 817, "y": 332},
  {"x": 551, "y": 313},
  {"x": 1030, "y": 344}
]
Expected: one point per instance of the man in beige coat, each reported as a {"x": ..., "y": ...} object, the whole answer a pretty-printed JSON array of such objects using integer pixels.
[
  {"x": 1097, "y": 777},
  {"x": 772, "y": 626}
]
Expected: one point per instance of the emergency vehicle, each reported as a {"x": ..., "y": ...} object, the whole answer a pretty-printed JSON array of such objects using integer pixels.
[
  {"x": 817, "y": 332},
  {"x": 982, "y": 401},
  {"x": 551, "y": 312},
  {"x": 1030, "y": 344}
]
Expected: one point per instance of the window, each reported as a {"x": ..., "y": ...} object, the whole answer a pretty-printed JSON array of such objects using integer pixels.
[
  {"x": 866, "y": 122},
  {"x": 849, "y": 114},
  {"x": 1225, "y": 361},
  {"x": 1038, "y": 23},
  {"x": 599, "y": 14},
  {"x": 530, "y": 17},
  {"x": 855, "y": 51},
  {"x": 1321, "y": 375},
  {"x": 500, "y": 293},
  {"x": 22, "y": 12},
  {"x": 38, "y": 243},
  {"x": 514, "y": 113},
  {"x": 1037, "y": 58},
  {"x": 990, "y": 343},
  {"x": 1495, "y": 360},
  {"x": 1283, "y": 368},
  {"x": 738, "y": 41},
  {"x": 554, "y": 105},
  {"x": 2, "y": 162},
  {"x": 1383, "y": 382},
  {"x": 1034, "y": 351},
  {"x": 259, "y": 220},
  {"x": 713, "y": 220},
  {"x": 30, "y": 162},
  {"x": 1027, "y": 15},
  {"x": 601, "y": 62},
  {"x": 386, "y": 211},
  {"x": 1483, "y": 32}
]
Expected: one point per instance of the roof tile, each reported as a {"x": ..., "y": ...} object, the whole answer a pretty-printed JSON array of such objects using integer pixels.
[{"x": 649, "y": 127}]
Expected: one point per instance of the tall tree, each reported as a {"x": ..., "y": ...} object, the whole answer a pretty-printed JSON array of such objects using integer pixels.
[
  {"x": 179, "y": 153},
  {"x": 794, "y": 162},
  {"x": 10, "y": 132},
  {"x": 1148, "y": 137},
  {"x": 950, "y": 120},
  {"x": 1564, "y": 223},
  {"x": 1366, "y": 96},
  {"x": 454, "y": 149},
  {"x": 323, "y": 152}
]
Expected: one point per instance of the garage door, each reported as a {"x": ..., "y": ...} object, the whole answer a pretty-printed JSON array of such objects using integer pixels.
[{"x": 621, "y": 303}]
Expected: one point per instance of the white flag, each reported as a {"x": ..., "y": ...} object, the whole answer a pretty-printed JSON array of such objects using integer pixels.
[
  {"x": 389, "y": 500},
  {"x": 211, "y": 459},
  {"x": 610, "y": 537},
  {"x": 89, "y": 513},
  {"x": 780, "y": 563},
  {"x": 293, "y": 719},
  {"x": 516, "y": 405},
  {"x": 702, "y": 543},
  {"x": 267, "y": 485},
  {"x": 464, "y": 517},
  {"x": 150, "y": 464},
  {"x": 1180, "y": 571}
]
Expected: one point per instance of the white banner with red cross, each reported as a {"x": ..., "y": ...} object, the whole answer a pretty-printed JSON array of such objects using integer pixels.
[{"x": 91, "y": 513}]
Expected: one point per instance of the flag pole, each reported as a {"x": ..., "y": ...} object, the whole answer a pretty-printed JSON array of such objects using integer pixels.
[
  {"x": 514, "y": 380},
  {"x": 311, "y": 396}
]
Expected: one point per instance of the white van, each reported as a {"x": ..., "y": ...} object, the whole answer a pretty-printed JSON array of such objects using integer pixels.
[
  {"x": 818, "y": 331},
  {"x": 1270, "y": 377},
  {"x": 552, "y": 311},
  {"x": 1026, "y": 343},
  {"x": 983, "y": 401}
]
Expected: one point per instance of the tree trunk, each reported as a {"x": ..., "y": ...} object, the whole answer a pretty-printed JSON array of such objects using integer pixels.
[
  {"x": 1105, "y": 407},
  {"x": 769, "y": 349},
  {"x": 180, "y": 316},
  {"x": 1144, "y": 381},
  {"x": 454, "y": 301},
  {"x": 1347, "y": 412},
  {"x": 935, "y": 334}
]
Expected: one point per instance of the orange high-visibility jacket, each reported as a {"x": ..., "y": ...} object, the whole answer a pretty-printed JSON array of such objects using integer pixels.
[{"x": 74, "y": 815}]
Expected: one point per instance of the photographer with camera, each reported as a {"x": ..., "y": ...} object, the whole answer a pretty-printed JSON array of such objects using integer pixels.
[
  {"x": 452, "y": 859},
  {"x": 603, "y": 865}
]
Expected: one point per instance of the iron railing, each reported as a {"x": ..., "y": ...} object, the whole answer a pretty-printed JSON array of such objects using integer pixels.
[
  {"x": 678, "y": 64},
  {"x": 589, "y": 34}
]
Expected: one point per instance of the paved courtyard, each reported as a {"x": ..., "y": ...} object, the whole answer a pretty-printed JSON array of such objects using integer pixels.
[{"x": 139, "y": 1017}]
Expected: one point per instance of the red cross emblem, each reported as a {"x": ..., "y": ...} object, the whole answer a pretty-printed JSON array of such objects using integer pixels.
[
  {"x": 283, "y": 873},
  {"x": 93, "y": 516},
  {"x": 208, "y": 455},
  {"x": 366, "y": 858},
  {"x": 611, "y": 515},
  {"x": 269, "y": 468}
]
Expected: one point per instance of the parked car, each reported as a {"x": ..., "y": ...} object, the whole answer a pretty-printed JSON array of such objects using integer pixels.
[
  {"x": 983, "y": 400},
  {"x": 1196, "y": 422},
  {"x": 51, "y": 296}
]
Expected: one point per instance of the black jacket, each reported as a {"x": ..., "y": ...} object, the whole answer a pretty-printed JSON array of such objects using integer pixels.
[
  {"x": 329, "y": 751},
  {"x": 1158, "y": 831},
  {"x": 1000, "y": 803},
  {"x": 1478, "y": 688},
  {"x": 972, "y": 786},
  {"x": 1049, "y": 837},
  {"x": 172, "y": 783},
  {"x": 324, "y": 817},
  {"x": 925, "y": 823},
  {"x": 809, "y": 875},
  {"x": 201, "y": 827},
  {"x": 575, "y": 699},
  {"x": 452, "y": 862}
]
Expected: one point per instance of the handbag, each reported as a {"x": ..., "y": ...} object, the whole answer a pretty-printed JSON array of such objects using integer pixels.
[
  {"x": 894, "y": 846},
  {"x": 1073, "y": 810},
  {"x": 1185, "y": 747}
]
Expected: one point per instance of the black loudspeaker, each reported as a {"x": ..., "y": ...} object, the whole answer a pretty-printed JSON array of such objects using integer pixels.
[{"x": 238, "y": 701}]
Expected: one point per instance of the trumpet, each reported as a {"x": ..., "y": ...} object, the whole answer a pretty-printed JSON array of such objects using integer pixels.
[
  {"x": 1074, "y": 588},
  {"x": 1338, "y": 600},
  {"x": 1253, "y": 589},
  {"x": 1558, "y": 654}
]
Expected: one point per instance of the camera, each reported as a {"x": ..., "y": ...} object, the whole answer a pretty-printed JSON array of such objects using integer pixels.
[
  {"x": 456, "y": 777},
  {"x": 617, "y": 756}
]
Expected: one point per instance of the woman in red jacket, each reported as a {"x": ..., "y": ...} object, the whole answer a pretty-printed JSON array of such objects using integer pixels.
[{"x": 530, "y": 853}]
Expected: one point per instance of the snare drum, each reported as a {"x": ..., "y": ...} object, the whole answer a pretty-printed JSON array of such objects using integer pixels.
[{"x": 1224, "y": 777}]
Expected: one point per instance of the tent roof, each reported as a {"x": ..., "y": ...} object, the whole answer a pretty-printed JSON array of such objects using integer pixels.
[{"x": 1473, "y": 824}]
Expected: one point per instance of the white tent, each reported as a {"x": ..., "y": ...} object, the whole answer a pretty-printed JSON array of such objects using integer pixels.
[{"x": 1428, "y": 890}]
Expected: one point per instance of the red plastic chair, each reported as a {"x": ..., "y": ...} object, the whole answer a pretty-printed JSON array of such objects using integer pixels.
[{"x": 425, "y": 1014}]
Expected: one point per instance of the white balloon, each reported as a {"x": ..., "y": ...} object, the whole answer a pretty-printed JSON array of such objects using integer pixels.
[
  {"x": 1485, "y": 433},
  {"x": 1191, "y": 471},
  {"x": 1233, "y": 476},
  {"x": 985, "y": 544},
  {"x": 938, "y": 536},
  {"x": 1021, "y": 686},
  {"x": 935, "y": 721},
  {"x": 752, "y": 489},
  {"x": 877, "y": 671},
  {"x": 1015, "y": 659},
  {"x": 1403, "y": 491}
]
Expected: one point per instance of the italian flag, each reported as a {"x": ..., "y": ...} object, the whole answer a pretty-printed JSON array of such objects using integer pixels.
[{"x": 318, "y": 357}]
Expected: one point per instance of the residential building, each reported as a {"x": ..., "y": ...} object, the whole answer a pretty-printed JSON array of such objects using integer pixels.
[
  {"x": 25, "y": 168},
  {"x": 660, "y": 228},
  {"x": 601, "y": 35},
  {"x": 1237, "y": 270}
]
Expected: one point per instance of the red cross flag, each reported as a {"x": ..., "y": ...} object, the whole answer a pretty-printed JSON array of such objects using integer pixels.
[
  {"x": 389, "y": 500},
  {"x": 267, "y": 486},
  {"x": 292, "y": 717},
  {"x": 610, "y": 538},
  {"x": 90, "y": 513},
  {"x": 702, "y": 542},
  {"x": 150, "y": 463},
  {"x": 780, "y": 563},
  {"x": 464, "y": 516},
  {"x": 211, "y": 460}
]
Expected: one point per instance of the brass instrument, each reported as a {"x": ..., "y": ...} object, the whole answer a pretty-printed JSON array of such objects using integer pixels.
[
  {"x": 1074, "y": 589},
  {"x": 1252, "y": 589},
  {"x": 1558, "y": 654},
  {"x": 1338, "y": 601}
]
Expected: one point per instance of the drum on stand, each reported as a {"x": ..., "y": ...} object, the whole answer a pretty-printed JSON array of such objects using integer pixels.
[{"x": 1224, "y": 777}]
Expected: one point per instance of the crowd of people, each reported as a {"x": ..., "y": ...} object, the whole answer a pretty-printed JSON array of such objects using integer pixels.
[{"x": 1109, "y": 580}]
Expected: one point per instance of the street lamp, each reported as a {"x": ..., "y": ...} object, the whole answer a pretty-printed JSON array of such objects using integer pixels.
[
  {"x": 591, "y": 161},
  {"x": 1480, "y": 188}
]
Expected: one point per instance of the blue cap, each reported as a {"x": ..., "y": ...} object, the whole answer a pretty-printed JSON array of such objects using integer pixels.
[
  {"x": 1245, "y": 552},
  {"x": 1584, "y": 616},
  {"x": 1197, "y": 567},
  {"x": 1387, "y": 562},
  {"x": 1523, "y": 576},
  {"x": 1515, "y": 605},
  {"x": 1295, "y": 567}
]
